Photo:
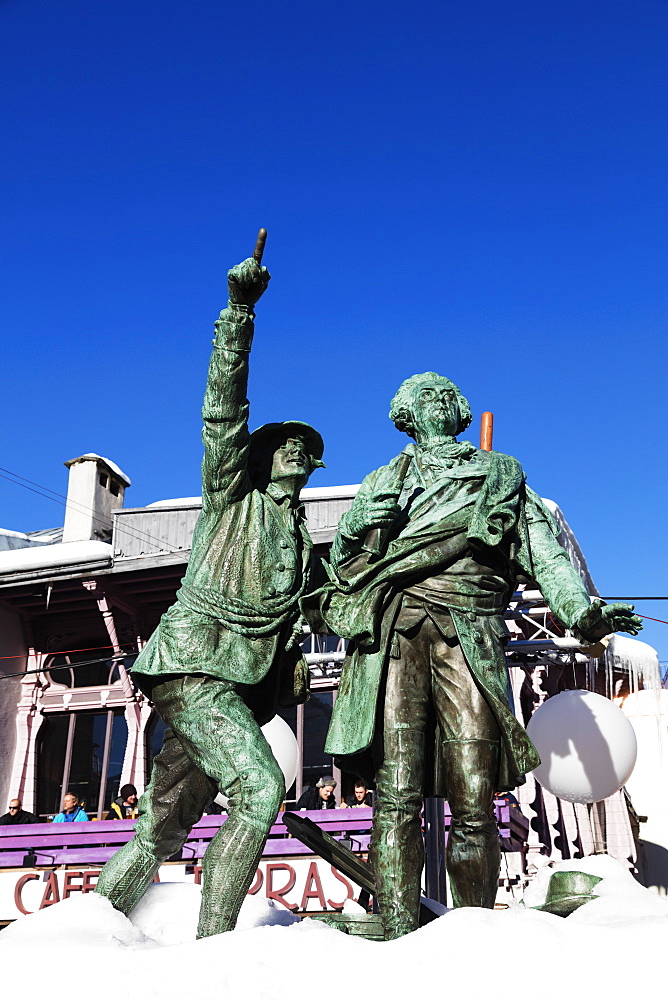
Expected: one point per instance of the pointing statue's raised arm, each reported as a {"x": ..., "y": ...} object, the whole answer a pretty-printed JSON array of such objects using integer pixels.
[{"x": 225, "y": 410}]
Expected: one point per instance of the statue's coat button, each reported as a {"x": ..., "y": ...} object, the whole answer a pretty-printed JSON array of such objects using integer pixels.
[
  {"x": 280, "y": 567},
  {"x": 271, "y": 591},
  {"x": 470, "y": 615}
]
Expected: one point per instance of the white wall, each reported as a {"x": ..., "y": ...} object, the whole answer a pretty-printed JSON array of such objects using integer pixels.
[
  {"x": 12, "y": 642},
  {"x": 647, "y": 711}
]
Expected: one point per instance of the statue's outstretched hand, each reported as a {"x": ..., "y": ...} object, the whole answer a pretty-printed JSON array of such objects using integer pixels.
[
  {"x": 247, "y": 282},
  {"x": 599, "y": 619},
  {"x": 620, "y": 617}
]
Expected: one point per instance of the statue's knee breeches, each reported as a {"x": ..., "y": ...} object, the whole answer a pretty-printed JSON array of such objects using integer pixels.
[
  {"x": 257, "y": 792},
  {"x": 220, "y": 735}
]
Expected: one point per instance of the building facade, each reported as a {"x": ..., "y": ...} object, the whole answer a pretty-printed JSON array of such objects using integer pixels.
[{"x": 78, "y": 604}]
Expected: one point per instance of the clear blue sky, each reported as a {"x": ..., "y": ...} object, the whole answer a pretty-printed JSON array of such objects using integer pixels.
[{"x": 477, "y": 188}]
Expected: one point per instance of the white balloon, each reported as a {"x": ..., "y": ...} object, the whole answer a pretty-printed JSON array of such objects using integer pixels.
[
  {"x": 586, "y": 744},
  {"x": 283, "y": 743}
]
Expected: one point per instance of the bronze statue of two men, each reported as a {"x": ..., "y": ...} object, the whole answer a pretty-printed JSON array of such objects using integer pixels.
[{"x": 420, "y": 573}]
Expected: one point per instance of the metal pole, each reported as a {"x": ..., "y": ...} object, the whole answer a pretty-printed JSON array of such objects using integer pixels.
[
  {"x": 299, "y": 783},
  {"x": 486, "y": 431},
  {"x": 336, "y": 771},
  {"x": 68, "y": 757},
  {"x": 434, "y": 842},
  {"x": 105, "y": 764}
]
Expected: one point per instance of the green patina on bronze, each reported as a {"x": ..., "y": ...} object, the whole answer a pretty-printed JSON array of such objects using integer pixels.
[
  {"x": 225, "y": 656},
  {"x": 422, "y": 568}
]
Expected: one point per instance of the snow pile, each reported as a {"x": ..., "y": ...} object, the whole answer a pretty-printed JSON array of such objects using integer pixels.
[
  {"x": 477, "y": 953},
  {"x": 168, "y": 913},
  {"x": 620, "y": 899}
]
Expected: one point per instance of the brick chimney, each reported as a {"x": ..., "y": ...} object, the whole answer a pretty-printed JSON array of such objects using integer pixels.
[{"x": 96, "y": 487}]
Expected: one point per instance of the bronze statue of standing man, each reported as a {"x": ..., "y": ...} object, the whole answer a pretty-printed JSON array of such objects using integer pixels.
[
  {"x": 422, "y": 569},
  {"x": 226, "y": 654}
]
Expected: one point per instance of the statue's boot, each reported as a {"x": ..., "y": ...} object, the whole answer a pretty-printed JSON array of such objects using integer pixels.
[
  {"x": 127, "y": 875},
  {"x": 473, "y": 856},
  {"x": 397, "y": 848},
  {"x": 228, "y": 867}
]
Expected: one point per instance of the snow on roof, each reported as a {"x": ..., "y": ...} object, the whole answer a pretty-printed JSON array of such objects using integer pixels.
[
  {"x": 92, "y": 456},
  {"x": 637, "y": 658},
  {"x": 329, "y": 492},
  {"x": 178, "y": 502},
  {"x": 36, "y": 557},
  {"x": 47, "y": 535},
  {"x": 572, "y": 546},
  {"x": 310, "y": 493},
  {"x": 12, "y": 540}
]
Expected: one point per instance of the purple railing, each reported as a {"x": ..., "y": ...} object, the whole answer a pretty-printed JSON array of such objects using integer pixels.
[{"x": 93, "y": 843}]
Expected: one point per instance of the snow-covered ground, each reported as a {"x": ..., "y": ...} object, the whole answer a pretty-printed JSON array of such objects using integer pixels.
[{"x": 614, "y": 946}]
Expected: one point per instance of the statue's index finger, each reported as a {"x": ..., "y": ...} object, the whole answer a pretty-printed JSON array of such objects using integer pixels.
[{"x": 259, "y": 246}]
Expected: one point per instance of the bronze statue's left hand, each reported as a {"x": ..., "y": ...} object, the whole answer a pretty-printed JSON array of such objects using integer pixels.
[
  {"x": 616, "y": 617},
  {"x": 620, "y": 617},
  {"x": 247, "y": 282}
]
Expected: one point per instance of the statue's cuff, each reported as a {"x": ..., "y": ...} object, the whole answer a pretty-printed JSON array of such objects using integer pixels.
[
  {"x": 234, "y": 328},
  {"x": 590, "y": 631}
]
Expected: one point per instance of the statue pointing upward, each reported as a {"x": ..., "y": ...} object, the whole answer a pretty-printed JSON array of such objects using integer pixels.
[{"x": 226, "y": 655}]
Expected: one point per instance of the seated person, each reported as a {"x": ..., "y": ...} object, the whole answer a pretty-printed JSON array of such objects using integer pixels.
[
  {"x": 320, "y": 795},
  {"x": 72, "y": 811},
  {"x": 360, "y": 797},
  {"x": 125, "y": 806},
  {"x": 17, "y": 815}
]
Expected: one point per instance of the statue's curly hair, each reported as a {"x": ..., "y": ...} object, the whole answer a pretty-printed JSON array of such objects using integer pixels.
[{"x": 400, "y": 407}]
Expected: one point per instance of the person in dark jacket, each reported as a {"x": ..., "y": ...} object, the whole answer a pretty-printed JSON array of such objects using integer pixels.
[
  {"x": 125, "y": 806},
  {"x": 17, "y": 815},
  {"x": 360, "y": 797},
  {"x": 320, "y": 795}
]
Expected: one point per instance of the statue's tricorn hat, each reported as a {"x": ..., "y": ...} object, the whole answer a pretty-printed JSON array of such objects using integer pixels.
[
  {"x": 567, "y": 891},
  {"x": 266, "y": 435}
]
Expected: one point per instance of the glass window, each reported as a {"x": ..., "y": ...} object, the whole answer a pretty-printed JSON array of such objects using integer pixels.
[
  {"x": 117, "y": 744},
  {"x": 90, "y": 732},
  {"x": 317, "y": 715},
  {"x": 83, "y": 753},
  {"x": 155, "y": 732},
  {"x": 51, "y": 749},
  {"x": 82, "y": 670}
]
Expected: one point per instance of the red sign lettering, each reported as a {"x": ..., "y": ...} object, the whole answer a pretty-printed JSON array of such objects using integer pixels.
[
  {"x": 257, "y": 884},
  {"x": 88, "y": 884},
  {"x": 349, "y": 889},
  {"x": 18, "y": 888},
  {"x": 69, "y": 885},
  {"x": 278, "y": 894},
  {"x": 51, "y": 893},
  {"x": 313, "y": 878}
]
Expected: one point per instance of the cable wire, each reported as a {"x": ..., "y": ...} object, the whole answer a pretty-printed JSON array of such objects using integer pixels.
[
  {"x": 66, "y": 666},
  {"x": 61, "y": 499}
]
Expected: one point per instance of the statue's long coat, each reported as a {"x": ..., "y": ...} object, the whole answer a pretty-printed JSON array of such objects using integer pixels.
[
  {"x": 250, "y": 555},
  {"x": 480, "y": 506}
]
